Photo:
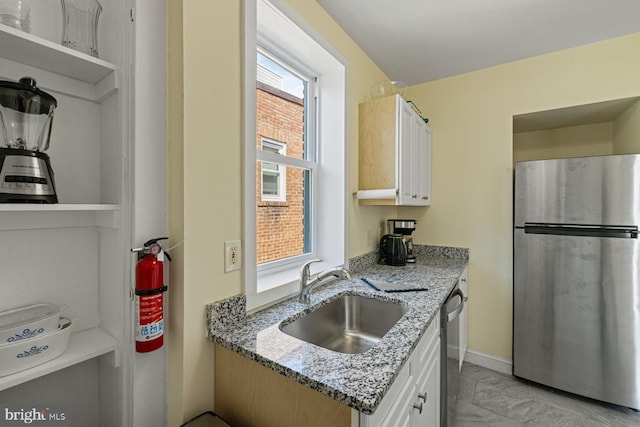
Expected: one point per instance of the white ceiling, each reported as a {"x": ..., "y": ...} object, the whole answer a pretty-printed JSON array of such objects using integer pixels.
[{"x": 416, "y": 41}]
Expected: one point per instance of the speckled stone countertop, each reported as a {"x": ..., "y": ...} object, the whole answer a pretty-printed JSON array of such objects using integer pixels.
[{"x": 358, "y": 380}]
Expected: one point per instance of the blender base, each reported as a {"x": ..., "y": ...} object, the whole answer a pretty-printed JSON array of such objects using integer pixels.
[{"x": 26, "y": 177}]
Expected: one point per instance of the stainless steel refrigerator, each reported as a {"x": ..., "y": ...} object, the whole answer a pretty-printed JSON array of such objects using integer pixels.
[{"x": 576, "y": 296}]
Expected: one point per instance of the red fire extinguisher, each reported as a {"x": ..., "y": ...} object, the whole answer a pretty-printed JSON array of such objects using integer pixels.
[{"x": 148, "y": 296}]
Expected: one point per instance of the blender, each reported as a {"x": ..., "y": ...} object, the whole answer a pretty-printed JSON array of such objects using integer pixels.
[
  {"x": 26, "y": 116},
  {"x": 404, "y": 227}
]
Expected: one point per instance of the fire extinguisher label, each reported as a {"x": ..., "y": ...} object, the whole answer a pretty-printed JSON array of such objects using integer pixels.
[{"x": 150, "y": 324}]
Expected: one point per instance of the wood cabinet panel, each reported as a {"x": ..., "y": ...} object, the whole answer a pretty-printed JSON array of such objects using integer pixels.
[
  {"x": 249, "y": 394},
  {"x": 377, "y": 126}
]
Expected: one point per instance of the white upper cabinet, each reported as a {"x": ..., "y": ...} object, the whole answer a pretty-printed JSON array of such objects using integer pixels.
[
  {"x": 422, "y": 159},
  {"x": 394, "y": 154}
]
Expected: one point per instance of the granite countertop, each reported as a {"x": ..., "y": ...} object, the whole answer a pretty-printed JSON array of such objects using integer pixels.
[{"x": 358, "y": 380}]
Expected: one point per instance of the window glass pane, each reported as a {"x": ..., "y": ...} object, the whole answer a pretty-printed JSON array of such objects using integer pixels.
[
  {"x": 270, "y": 182},
  {"x": 280, "y": 112},
  {"x": 269, "y": 167},
  {"x": 270, "y": 148},
  {"x": 284, "y": 228},
  {"x": 283, "y": 196},
  {"x": 273, "y": 180}
]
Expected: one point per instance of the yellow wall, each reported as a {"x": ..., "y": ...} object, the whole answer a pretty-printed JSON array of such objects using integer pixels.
[
  {"x": 205, "y": 186},
  {"x": 175, "y": 129},
  {"x": 471, "y": 118},
  {"x": 205, "y": 174},
  {"x": 626, "y": 131},
  {"x": 574, "y": 141},
  {"x": 362, "y": 74}
]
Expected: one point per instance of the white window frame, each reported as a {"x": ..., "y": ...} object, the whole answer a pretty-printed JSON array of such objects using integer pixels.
[
  {"x": 281, "y": 31},
  {"x": 273, "y": 268},
  {"x": 281, "y": 170}
]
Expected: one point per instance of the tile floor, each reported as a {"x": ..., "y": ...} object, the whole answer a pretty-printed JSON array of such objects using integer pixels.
[{"x": 492, "y": 399}]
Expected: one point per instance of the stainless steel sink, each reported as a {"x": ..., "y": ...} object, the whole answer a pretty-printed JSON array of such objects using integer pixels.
[{"x": 349, "y": 324}]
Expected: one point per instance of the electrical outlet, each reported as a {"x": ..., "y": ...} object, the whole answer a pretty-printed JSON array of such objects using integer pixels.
[{"x": 232, "y": 255}]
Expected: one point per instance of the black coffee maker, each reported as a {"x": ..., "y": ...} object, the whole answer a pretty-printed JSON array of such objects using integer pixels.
[
  {"x": 404, "y": 227},
  {"x": 393, "y": 250}
]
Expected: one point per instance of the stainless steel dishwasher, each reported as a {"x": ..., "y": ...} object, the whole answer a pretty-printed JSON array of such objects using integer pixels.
[{"x": 449, "y": 352}]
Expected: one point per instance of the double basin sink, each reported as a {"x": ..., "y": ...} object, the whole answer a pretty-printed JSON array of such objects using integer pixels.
[{"x": 348, "y": 324}]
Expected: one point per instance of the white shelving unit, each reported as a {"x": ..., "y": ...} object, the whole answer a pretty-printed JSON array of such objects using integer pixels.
[
  {"x": 83, "y": 346},
  {"x": 76, "y": 253},
  {"x": 31, "y": 217},
  {"x": 58, "y": 67}
]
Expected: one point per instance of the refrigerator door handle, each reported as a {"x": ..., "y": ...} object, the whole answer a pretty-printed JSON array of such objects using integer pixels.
[
  {"x": 453, "y": 314},
  {"x": 618, "y": 231}
]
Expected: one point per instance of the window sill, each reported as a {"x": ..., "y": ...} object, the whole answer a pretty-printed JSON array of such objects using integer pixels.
[
  {"x": 271, "y": 280},
  {"x": 274, "y": 286},
  {"x": 273, "y": 204}
]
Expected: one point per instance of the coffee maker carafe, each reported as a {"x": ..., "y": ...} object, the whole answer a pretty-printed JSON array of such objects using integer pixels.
[
  {"x": 404, "y": 227},
  {"x": 26, "y": 116}
]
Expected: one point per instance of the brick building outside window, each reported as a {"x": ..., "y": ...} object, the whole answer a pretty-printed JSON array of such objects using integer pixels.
[{"x": 280, "y": 189}]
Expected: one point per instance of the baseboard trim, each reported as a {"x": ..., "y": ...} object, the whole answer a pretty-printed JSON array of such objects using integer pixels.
[{"x": 490, "y": 362}]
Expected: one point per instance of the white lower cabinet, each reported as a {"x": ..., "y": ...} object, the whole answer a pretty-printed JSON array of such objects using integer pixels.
[
  {"x": 428, "y": 383},
  {"x": 414, "y": 397},
  {"x": 401, "y": 413},
  {"x": 463, "y": 317}
]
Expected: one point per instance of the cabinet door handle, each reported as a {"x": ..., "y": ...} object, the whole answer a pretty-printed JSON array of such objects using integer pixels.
[
  {"x": 419, "y": 408},
  {"x": 422, "y": 396},
  {"x": 425, "y": 197},
  {"x": 414, "y": 196}
]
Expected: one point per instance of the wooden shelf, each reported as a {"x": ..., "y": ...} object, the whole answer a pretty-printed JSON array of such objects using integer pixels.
[
  {"x": 83, "y": 346},
  {"x": 16, "y": 216},
  {"x": 56, "y": 67}
]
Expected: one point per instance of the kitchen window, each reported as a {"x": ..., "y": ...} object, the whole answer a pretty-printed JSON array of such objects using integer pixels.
[{"x": 295, "y": 152}]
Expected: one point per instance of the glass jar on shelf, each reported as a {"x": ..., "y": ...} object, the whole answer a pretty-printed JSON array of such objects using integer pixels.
[
  {"x": 15, "y": 14},
  {"x": 80, "y": 25}
]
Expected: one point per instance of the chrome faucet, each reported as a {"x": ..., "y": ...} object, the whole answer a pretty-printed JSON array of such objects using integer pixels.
[{"x": 307, "y": 285}]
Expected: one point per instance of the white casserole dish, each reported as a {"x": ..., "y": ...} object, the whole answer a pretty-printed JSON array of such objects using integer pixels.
[
  {"x": 28, "y": 321},
  {"x": 29, "y": 352}
]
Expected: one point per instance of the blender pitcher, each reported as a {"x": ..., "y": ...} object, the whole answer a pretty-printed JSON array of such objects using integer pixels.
[{"x": 26, "y": 117}]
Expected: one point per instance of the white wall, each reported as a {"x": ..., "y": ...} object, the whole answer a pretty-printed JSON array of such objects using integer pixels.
[{"x": 150, "y": 191}]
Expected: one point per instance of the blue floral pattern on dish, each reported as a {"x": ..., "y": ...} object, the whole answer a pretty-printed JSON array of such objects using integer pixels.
[
  {"x": 27, "y": 333},
  {"x": 33, "y": 351}
]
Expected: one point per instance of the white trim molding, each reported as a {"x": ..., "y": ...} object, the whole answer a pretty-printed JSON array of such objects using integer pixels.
[{"x": 488, "y": 361}]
